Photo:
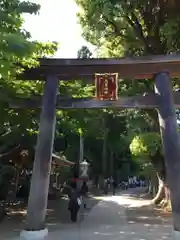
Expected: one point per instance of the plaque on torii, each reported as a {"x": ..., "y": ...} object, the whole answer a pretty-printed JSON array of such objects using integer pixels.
[{"x": 106, "y": 86}]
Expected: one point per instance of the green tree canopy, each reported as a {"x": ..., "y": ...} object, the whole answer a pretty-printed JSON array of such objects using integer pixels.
[
  {"x": 18, "y": 51},
  {"x": 140, "y": 27},
  {"x": 146, "y": 145},
  {"x": 84, "y": 52}
]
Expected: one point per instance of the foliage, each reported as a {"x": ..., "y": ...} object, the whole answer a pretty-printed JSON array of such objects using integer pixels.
[
  {"x": 148, "y": 27},
  {"x": 18, "y": 52},
  {"x": 117, "y": 28},
  {"x": 146, "y": 145},
  {"x": 6, "y": 175},
  {"x": 84, "y": 52},
  {"x": 16, "y": 48},
  {"x": 126, "y": 28}
]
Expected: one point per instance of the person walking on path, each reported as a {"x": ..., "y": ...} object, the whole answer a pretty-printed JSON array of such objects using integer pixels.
[
  {"x": 74, "y": 201},
  {"x": 84, "y": 193},
  {"x": 114, "y": 186},
  {"x": 107, "y": 184}
]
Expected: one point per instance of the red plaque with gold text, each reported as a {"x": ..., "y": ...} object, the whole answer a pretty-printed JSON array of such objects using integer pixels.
[{"x": 106, "y": 86}]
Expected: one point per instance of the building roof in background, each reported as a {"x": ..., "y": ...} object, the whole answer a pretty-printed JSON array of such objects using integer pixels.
[{"x": 62, "y": 161}]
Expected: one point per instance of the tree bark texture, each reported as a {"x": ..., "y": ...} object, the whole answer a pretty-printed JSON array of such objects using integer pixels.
[
  {"x": 111, "y": 162},
  {"x": 159, "y": 166},
  {"x": 104, "y": 154},
  {"x": 160, "y": 195}
]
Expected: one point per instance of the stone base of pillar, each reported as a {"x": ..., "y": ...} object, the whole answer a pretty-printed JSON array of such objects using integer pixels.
[
  {"x": 176, "y": 235},
  {"x": 34, "y": 235}
]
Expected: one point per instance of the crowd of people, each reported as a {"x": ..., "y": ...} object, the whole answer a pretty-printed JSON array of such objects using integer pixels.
[
  {"x": 111, "y": 183},
  {"x": 133, "y": 182}
]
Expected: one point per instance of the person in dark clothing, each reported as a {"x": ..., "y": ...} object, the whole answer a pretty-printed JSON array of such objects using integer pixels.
[
  {"x": 114, "y": 185},
  {"x": 74, "y": 202},
  {"x": 106, "y": 185},
  {"x": 84, "y": 192}
]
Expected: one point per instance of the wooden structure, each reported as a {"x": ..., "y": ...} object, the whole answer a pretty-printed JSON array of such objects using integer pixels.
[
  {"x": 144, "y": 102},
  {"x": 133, "y": 68},
  {"x": 156, "y": 68},
  {"x": 61, "y": 161}
]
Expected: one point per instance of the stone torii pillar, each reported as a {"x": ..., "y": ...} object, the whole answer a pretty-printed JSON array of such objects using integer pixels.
[
  {"x": 38, "y": 196},
  {"x": 171, "y": 143}
]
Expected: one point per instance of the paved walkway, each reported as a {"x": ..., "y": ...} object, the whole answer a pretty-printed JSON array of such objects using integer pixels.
[
  {"x": 111, "y": 218},
  {"x": 118, "y": 218}
]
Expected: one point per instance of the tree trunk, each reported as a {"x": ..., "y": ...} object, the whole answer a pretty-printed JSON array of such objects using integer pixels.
[
  {"x": 159, "y": 166},
  {"x": 18, "y": 172},
  {"x": 81, "y": 148},
  {"x": 104, "y": 154},
  {"x": 111, "y": 162},
  {"x": 160, "y": 193},
  {"x": 163, "y": 194},
  {"x": 167, "y": 199},
  {"x": 150, "y": 189}
]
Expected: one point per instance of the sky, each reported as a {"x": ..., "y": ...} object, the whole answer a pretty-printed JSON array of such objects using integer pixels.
[{"x": 57, "y": 21}]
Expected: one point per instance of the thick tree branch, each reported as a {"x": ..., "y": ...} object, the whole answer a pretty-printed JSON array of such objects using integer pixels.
[
  {"x": 134, "y": 23},
  {"x": 154, "y": 16},
  {"x": 117, "y": 30}
]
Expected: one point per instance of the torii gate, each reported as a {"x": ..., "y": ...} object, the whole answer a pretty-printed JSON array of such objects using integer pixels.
[{"x": 157, "y": 68}]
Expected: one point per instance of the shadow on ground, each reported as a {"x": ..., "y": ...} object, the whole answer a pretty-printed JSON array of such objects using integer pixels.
[
  {"x": 57, "y": 211},
  {"x": 122, "y": 218},
  {"x": 147, "y": 215},
  {"x": 57, "y": 217},
  {"x": 151, "y": 222},
  {"x": 112, "y": 217}
]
